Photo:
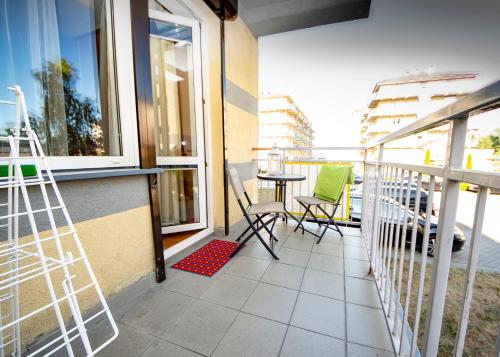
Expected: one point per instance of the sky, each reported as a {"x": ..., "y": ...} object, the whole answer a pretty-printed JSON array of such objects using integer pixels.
[
  {"x": 330, "y": 70},
  {"x": 76, "y": 44}
]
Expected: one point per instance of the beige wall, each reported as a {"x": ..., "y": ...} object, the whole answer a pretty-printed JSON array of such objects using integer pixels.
[
  {"x": 120, "y": 250},
  {"x": 242, "y": 126}
]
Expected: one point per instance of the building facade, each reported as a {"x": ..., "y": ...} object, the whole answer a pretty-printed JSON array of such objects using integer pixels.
[
  {"x": 399, "y": 102},
  {"x": 283, "y": 124}
]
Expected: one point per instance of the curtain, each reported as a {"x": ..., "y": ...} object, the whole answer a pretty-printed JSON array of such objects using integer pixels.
[
  {"x": 48, "y": 71},
  {"x": 167, "y": 129},
  {"x": 107, "y": 78}
]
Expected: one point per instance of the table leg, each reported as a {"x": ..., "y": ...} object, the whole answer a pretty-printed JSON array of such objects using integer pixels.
[{"x": 284, "y": 202}]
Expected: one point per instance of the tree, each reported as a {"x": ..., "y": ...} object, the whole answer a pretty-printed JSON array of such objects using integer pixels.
[
  {"x": 57, "y": 80},
  {"x": 485, "y": 143},
  {"x": 495, "y": 139}
]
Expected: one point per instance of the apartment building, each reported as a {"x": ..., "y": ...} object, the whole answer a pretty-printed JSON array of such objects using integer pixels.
[
  {"x": 399, "y": 102},
  {"x": 282, "y": 123}
]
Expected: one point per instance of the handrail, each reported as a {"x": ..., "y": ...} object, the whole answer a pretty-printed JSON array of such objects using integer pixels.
[
  {"x": 484, "y": 99},
  {"x": 425, "y": 169},
  {"x": 310, "y": 148}
]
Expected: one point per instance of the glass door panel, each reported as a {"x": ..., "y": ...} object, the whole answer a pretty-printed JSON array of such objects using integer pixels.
[
  {"x": 173, "y": 89},
  {"x": 179, "y": 197},
  {"x": 177, "y": 107}
]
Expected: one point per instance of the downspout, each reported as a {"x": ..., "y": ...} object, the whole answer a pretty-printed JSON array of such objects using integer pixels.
[{"x": 224, "y": 108}]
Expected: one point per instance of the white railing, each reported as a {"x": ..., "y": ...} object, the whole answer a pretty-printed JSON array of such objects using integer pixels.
[
  {"x": 296, "y": 162},
  {"x": 388, "y": 216},
  {"x": 382, "y": 231}
]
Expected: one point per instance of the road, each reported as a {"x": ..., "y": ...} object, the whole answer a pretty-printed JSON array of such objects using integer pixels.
[{"x": 489, "y": 256}]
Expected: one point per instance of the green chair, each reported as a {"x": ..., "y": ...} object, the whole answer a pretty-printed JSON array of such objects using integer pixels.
[{"x": 328, "y": 190}]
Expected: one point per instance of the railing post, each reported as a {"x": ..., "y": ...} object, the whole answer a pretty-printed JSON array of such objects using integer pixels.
[
  {"x": 376, "y": 208},
  {"x": 444, "y": 239},
  {"x": 365, "y": 193}
]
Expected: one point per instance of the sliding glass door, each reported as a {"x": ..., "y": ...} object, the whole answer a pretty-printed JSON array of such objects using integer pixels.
[{"x": 179, "y": 133}]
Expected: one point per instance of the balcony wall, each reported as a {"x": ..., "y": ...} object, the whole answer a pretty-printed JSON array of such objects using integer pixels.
[{"x": 242, "y": 111}]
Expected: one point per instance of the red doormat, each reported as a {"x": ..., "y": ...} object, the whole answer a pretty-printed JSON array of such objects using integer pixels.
[{"x": 208, "y": 259}]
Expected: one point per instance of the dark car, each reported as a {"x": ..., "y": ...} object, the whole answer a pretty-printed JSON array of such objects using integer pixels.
[
  {"x": 458, "y": 238},
  {"x": 393, "y": 190},
  {"x": 475, "y": 188}
]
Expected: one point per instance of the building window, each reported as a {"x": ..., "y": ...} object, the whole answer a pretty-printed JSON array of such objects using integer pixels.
[{"x": 61, "y": 53}]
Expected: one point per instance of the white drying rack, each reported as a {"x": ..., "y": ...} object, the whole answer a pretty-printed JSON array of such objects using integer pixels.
[{"x": 51, "y": 268}]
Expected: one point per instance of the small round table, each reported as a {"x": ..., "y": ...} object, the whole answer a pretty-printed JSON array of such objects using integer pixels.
[{"x": 280, "y": 185}]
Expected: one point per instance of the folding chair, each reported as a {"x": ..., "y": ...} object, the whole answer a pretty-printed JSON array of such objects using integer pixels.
[
  {"x": 328, "y": 190},
  {"x": 256, "y": 210}
]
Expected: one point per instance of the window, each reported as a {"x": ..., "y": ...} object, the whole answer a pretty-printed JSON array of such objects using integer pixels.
[{"x": 63, "y": 55}]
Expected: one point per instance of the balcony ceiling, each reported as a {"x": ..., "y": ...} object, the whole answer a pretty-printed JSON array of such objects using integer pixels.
[{"x": 267, "y": 17}]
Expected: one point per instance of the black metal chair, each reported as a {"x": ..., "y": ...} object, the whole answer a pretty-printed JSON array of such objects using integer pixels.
[{"x": 254, "y": 214}]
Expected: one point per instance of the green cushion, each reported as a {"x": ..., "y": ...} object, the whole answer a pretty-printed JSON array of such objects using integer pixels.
[
  {"x": 27, "y": 170},
  {"x": 332, "y": 180}
]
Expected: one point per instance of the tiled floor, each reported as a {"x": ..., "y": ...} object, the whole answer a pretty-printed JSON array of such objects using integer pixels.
[{"x": 317, "y": 300}]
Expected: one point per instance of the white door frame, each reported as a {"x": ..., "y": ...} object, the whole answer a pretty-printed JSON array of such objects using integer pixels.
[{"x": 199, "y": 160}]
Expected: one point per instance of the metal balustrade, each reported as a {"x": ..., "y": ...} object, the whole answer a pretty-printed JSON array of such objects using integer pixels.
[{"x": 387, "y": 216}]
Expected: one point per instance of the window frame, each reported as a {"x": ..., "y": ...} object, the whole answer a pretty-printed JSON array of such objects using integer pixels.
[{"x": 124, "y": 68}]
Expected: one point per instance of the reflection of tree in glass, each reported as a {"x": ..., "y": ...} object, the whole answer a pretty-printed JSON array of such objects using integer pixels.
[{"x": 74, "y": 122}]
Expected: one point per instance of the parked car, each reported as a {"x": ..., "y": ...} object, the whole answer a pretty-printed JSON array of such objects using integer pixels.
[
  {"x": 438, "y": 184},
  {"x": 474, "y": 188},
  {"x": 458, "y": 238},
  {"x": 394, "y": 193}
]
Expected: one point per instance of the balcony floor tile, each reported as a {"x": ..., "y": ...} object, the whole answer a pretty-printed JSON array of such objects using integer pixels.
[
  {"x": 154, "y": 311},
  {"x": 362, "y": 292},
  {"x": 320, "y": 314},
  {"x": 161, "y": 348},
  {"x": 252, "y": 336},
  {"x": 357, "y": 268},
  {"x": 294, "y": 257},
  {"x": 230, "y": 291},
  {"x": 300, "y": 343},
  {"x": 323, "y": 283},
  {"x": 358, "y": 253},
  {"x": 288, "y": 276},
  {"x": 201, "y": 327},
  {"x": 272, "y": 302},
  {"x": 186, "y": 283},
  {"x": 327, "y": 263},
  {"x": 354, "y": 350},
  {"x": 366, "y": 326},
  {"x": 247, "y": 267},
  {"x": 329, "y": 248}
]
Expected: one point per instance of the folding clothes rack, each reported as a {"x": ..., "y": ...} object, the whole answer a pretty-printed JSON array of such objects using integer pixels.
[{"x": 45, "y": 278}]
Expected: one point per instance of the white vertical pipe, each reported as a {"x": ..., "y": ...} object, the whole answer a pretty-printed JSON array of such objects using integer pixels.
[
  {"x": 444, "y": 238},
  {"x": 388, "y": 210},
  {"x": 376, "y": 208},
  {"x": 474, "y": 249},
  {"x": 403, "y": 247},
  {"x": 382, "y": 220},
  {"x": 393, "y": 206},
  {"x": 416, "y": 209},
  {"x": 423, "y": 265},
  {"x": 365, "y": 194},
  {"x": 396, "y": 245}
]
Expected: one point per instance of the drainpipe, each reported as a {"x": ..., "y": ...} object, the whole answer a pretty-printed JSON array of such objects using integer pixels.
[{"x": 223, "y": 93}]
